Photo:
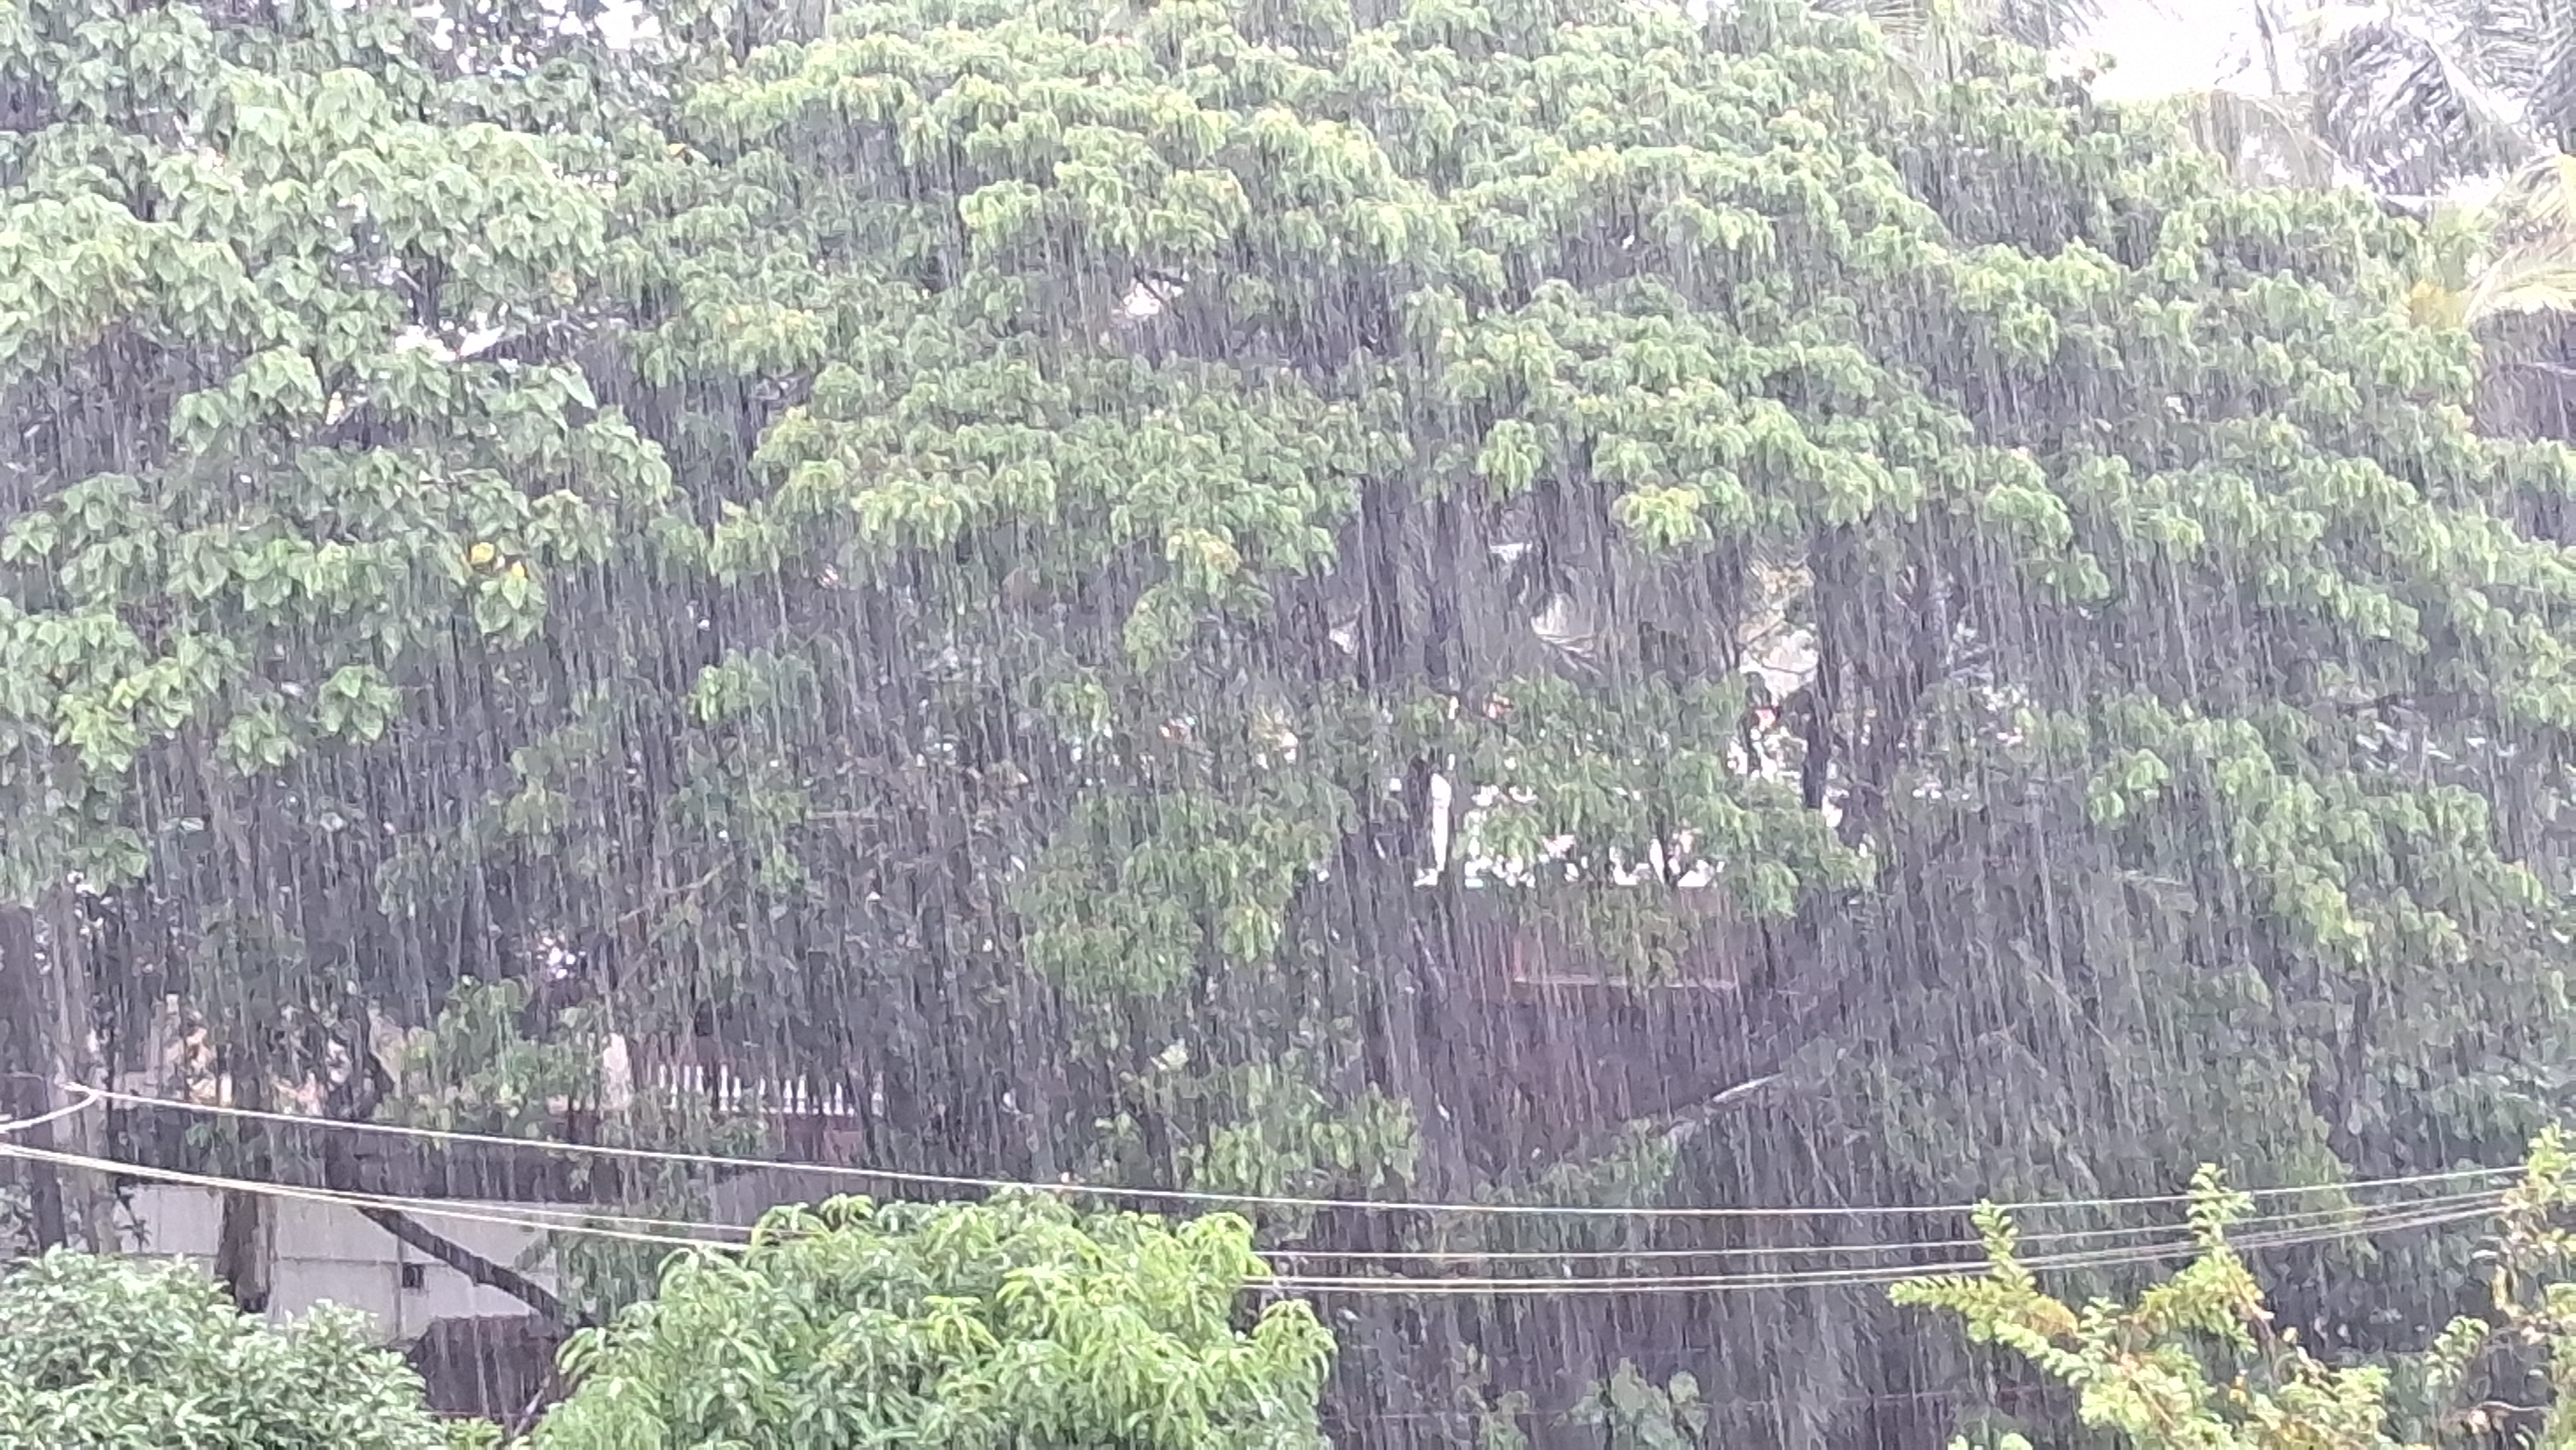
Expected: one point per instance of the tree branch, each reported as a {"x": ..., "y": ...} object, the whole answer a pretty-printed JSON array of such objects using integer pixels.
[
  {"x": 340, "y": 1174},
  {"x": 472, "y": 1265}
]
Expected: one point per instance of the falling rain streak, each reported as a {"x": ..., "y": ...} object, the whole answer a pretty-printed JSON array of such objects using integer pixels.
[{"x": 1557, "y": 676}]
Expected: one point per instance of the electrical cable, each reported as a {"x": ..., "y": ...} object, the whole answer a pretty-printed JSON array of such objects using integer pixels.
[
  {"x": 2385, "y": 1219},
  {"x": 1200, "y": 1196},
  {"x": 1758, "y": 1251},
  {"x": 584, "y": 1219},
  {"x": 567, "y": 1217},
  {"x": 445, "y": 1208},
  {"x": 71, "y": 1110},
  {"x": 1863, "y": 1278}
]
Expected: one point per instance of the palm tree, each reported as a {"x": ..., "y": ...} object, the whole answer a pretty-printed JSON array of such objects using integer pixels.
[
  {"x": 2507, "y": 274},
  {"x": 2509, "y": 256},
  {"x": 1921, "y": 26},
  {"x": 2419, "y": 95},
  {"x": 2427, "y": 103},
  {"x": 2408, "y": 97}
]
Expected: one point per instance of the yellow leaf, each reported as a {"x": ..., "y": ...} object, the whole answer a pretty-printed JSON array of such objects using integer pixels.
[
  {"x": 2054, "y": 1319},
  {"x": 2430, "y": 304},
  {"x": 518, "y": 571},
  {"x": 481, "y": 554}
]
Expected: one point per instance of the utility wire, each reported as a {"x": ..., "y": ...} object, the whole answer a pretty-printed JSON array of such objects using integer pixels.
[
  {"x": 2480, "y": 1201},
  {"x": 72, "y": 1110},
  {"x": 2156, "y": 1241},
  {"x": 2383, "y": 1219},
  {"x": 1869, "y": 1277},
  {"x": 587, "y": 1221},
  {"x": 1178, "y": 1195},
  {"x": 584, "y": 1218}
]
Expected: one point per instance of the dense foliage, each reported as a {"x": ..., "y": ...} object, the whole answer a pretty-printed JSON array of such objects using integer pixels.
[
  {"x": 108, "y": 1354},
  {"x": 999, "y": 1324},
  {"x": 1010, "y": 1323},
  {"x": 1093, "y": 582},
  {"x": 2198, "y": 1363}
]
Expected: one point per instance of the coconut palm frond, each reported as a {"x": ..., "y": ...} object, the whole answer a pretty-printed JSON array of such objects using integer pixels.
[
  {"x": 2403, "y": 97},
  {"x": 2514, "y": 254},
  {"x": 1900, "y": 19},
  {"x": 2539, "y": 200},
  {"x": 2553, "y": 83},
  {"x": 1927, "y": 40},
  {"x": 2525, "y": 280},
  {"x": 2046, "y": 24},
  {"x": 1911, "y": 23},
  {"x": 2527, "y": 50}
]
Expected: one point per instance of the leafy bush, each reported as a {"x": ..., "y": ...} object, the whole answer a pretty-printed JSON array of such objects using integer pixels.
[
  {"x": 1010, "y": 1323},
  {"x": 140, "y": 1354},
  {"x": 2197, "y": 1364}
]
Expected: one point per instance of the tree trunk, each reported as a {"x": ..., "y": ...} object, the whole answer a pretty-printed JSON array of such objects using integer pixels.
[
  {"x": 26, "y": 1054},
  {"x": 246, "y": 1245},
  {"x": 244, "y": 1249},
  {"x": 76, "y": 1059}
]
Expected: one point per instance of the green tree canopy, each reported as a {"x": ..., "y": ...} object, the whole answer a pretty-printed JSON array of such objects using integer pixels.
[
  {"x": 107, "y": 1354},
  {"x": 1010, "y": 1323},
  {"x": 1095, "y": 582}
]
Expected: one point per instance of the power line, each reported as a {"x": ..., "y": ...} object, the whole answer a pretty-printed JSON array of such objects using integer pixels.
[
  {"x": 2155, "y": 1241},
  {"x": 584, "y": 1218},
  {"x": 1266, "y": 1200},
  {"x": 2321, "y": 1216},
  {"x": 1878, "y": 1277},
  {"x": 10, "y": 1129},
  {"x": 533, "y": 1216},
  {"x": 2378, "y": 1220}
]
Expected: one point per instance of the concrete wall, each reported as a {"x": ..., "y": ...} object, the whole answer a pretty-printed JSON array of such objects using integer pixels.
[{"x": 325, "y": 1252}]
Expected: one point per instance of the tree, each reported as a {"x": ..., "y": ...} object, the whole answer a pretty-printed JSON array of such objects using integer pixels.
[
  {"x": 2424, "y": 94},
  {"x": 2410, "y": 98},
  {"x": 1120, "y": 590},
  {"x": 2430, "y": 105},
  {"x": 1010, "y": 1323},
  {"x": 120, "y": 1352},
  {"x": 1925, "y": 27},
  {"x": 283, "y": 350},
  {"x": 1240, "y": 445}
]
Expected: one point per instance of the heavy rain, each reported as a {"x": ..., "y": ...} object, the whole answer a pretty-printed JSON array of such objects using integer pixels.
[{"x": 1224, "y": 724}]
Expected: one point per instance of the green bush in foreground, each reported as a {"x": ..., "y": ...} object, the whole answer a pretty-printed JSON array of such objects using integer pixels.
[
  {"x": 1002, "y": 1324},
  {"x": 1008, "y": 1323},
  {"x": 147, "y": 1354}
]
